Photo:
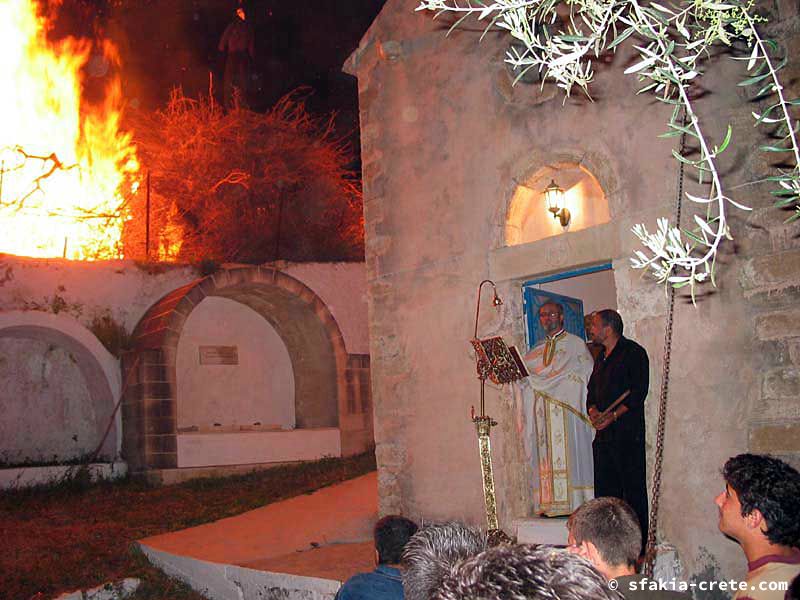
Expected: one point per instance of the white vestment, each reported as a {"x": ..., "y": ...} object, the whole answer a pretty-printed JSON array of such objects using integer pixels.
[{"x": 557, "y": 425}]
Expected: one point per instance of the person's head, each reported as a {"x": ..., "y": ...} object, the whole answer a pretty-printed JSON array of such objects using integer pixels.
[
  {"x": 432, "y": 553},
  {"x": 240, "y": 13},
  {"x": 525, "y": 572},
  {"x": 793, "y": 593},
  {"x": 606, "y": 532},
  {"x": 606, "y": 324},
  {"x": 587, "y": 326},
  {"x": 551, "y": 317},
  {"x": 391, "y": 534},
  {"x": 761, "y": 500}
]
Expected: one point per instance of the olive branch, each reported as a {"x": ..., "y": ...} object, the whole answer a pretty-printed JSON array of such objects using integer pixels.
[{"x": 672, "y": 40}]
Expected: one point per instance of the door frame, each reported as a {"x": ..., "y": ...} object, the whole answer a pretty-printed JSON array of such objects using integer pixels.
[{"x": 530, "y": 318}]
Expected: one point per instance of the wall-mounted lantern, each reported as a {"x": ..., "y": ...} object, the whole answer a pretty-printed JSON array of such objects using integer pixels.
[{"x": 554, "y": 200}]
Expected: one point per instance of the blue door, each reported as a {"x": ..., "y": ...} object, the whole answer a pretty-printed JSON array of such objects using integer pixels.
[{"x": 533, "y": 298}]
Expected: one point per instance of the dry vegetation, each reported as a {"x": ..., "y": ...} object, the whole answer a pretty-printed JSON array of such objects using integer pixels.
[
  {"x": 241, "y": 186},
  {"x": 71, "y": 537}
]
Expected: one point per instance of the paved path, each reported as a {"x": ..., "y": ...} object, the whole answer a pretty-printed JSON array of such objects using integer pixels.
[
  {"x": 337, "y": 562},
  {"x": 325, "y": 534}
]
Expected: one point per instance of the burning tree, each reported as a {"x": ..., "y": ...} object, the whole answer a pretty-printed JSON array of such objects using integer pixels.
[
  {"x": 66, "y": 166},
  {"x": 241, "y": 186}
]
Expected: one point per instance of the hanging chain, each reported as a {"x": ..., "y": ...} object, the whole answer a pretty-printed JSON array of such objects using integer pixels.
[{"x": 650, "y": 551}]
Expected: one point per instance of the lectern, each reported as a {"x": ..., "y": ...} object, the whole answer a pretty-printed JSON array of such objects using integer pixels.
[{"x": 501, "y": 364}]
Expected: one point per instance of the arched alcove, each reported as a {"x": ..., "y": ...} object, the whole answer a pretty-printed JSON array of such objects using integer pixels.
[
  {"x": 528, "y": 219},
  {"x": 316, "y": 355},
  {"x": 58, "y": 387},
  {"x": 254, "y": 392}
]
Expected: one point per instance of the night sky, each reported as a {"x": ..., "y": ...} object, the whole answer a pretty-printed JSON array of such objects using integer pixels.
[{"x": 169, "y": 43}]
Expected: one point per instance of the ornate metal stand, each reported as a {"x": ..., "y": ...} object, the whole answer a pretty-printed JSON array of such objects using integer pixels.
[
  {"x": 501, "y": 364},
  {"x": 484, "y": 426}
]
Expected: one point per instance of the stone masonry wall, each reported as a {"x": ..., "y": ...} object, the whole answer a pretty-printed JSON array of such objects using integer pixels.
[
  {"x": 771, "y": 284},
  {"x": 445, "y": 139}
]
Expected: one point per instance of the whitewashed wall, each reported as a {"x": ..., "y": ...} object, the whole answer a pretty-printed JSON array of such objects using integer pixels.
[{"x": 50, "y": 406}]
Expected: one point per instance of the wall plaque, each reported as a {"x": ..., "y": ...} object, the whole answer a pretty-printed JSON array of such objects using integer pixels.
[{"x": 219, "y": 355}]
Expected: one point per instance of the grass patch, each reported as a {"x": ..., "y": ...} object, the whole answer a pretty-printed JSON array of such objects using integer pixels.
[
  {"x": 155, "y": 585},
  {"x": 27, "y": 463},
  {"x": 62, "y": 538}
]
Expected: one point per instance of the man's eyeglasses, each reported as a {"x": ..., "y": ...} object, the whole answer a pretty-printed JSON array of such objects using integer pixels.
[{"x": 542, "y": 315}]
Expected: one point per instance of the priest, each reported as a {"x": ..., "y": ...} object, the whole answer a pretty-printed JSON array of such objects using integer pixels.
[{"x": 561, "y": 444}]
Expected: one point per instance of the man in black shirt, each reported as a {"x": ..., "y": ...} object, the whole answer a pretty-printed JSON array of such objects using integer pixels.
[{"x": 618, "y": 447}]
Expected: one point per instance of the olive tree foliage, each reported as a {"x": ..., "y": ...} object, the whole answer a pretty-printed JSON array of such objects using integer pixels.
[{"x": 672, "y": 40}]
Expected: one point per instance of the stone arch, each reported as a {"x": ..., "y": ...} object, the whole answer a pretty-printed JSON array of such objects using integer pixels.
[
  {"x": 303, "y": 321},
  {"x": 99, "y": 369},
  {"x": 590, "y": 166}
]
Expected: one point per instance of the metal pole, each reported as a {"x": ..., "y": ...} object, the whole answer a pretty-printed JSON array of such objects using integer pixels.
[
  {"x": 147, "y": 222},
  {"x": 483, "y": 403},
  {"x": 64, "y": 255},
  {"x": 278, "y": 229},
  {"x": 484, "y": 425}
]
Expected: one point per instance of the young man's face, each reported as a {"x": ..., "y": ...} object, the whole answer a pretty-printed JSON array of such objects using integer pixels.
[{"x": 731, "y": 521}]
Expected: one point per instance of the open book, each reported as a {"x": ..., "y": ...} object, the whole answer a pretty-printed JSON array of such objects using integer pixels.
[{"x": 497, "y": 361}]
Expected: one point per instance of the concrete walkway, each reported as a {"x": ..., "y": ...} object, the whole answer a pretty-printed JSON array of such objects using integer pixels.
[{"x": 303, "y": 547}]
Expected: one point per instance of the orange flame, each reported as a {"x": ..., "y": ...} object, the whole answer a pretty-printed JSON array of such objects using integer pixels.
[{"x": 64, "y": 164}]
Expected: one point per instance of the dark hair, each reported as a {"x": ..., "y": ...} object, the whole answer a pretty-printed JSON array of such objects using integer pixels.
[
  {"x": 391, "y": 535},
  {"x": 432, "y": 554},
  {"x": 771, "y": 486},
  {"x": 525, "y": 572},
  {"x": 612, "y": 319},
  {"x": 612, "y": 526},
  {"x": 793, "y": 593}
]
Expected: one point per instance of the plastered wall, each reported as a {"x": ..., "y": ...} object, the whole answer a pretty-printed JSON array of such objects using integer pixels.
[
  {"x": 125, "y": 289},
  {"x": 255, "y": 393},
  {"x": 60, "y": 383}
]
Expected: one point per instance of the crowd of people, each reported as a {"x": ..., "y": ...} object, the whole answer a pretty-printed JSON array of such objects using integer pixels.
[
  {"x": 758, "y": 508},
  {"x": 584, "y": 407}
]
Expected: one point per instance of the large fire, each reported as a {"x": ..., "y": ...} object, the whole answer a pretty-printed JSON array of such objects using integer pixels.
[{"x": 64, "y": 164}]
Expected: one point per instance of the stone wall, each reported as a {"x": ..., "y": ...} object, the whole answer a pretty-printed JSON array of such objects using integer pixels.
[
  {"x": 254, "y": 391},
  {"x": 318, "y": 347},
  {"x": 770, "y": 278},
  {"x": 58, "y": 386},
  {"x": 125, "y": 290},
  {"x": 445, "y": 141}
]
